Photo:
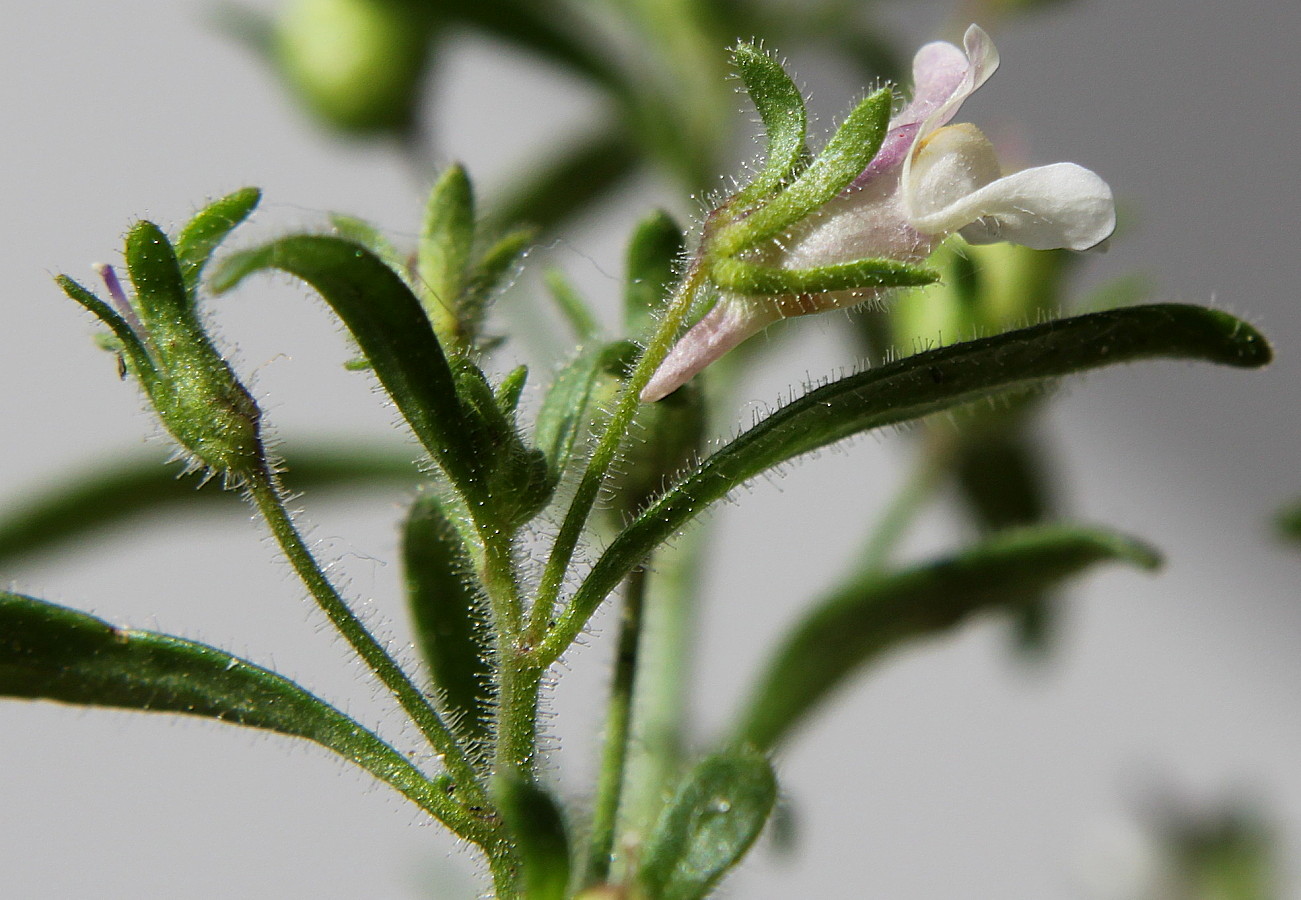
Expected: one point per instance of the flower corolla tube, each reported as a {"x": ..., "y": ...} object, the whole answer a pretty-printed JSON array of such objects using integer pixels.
[{"x": 928, "y": 180}]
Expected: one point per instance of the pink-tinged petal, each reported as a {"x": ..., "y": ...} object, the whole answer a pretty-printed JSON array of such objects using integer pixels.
[
  {"x": 729, "y": 323},
  {"x": 895, "y": 148},
  {"x": 944, "y": 76},
  {"x": 1061, "y": 206}
]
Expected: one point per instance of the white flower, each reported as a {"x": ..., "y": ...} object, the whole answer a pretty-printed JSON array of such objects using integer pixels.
[{"x": 929, "y": 180}]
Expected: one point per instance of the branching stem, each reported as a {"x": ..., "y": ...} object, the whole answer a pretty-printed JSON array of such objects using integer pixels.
[
  {"x": 266, "y": 496},
  {"x": 598, "y": 466}
]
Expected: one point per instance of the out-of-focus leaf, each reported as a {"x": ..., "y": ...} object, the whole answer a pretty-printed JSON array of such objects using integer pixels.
[
  {"x": 571, "y": 182},
  {"x": 390, "y": 327},
  {"x": 446, "y": 242},
  {"x": 205, "y": 232},
  {"x": 575, "y": 399},
  {"x": 450, "y": 620},
  {"x": 537, "y": 824},
  {"x": 1000, "y": 473},
  {"x": 909, "y": 389},
  {"x": 359, "y": 231},
  {"x": 582, "y": 321},
  {"x": 708, "y": 826},
  {"x": 876, "y": 613},
  {"x": 91, "y": 503},
  {"x": 1289, "y": 522},
  {"x": 49, "y": 652},
  {"x": 654, "y": 253}
]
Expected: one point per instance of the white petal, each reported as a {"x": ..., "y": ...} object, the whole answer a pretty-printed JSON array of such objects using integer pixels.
[
  {"x": 1045, "y": 208},
  {"x": 944, "y": 76},
  {"x": 949, "y": 166}
]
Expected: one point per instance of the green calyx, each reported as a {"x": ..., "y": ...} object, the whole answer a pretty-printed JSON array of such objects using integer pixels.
[
  {"x": 195, "y": 392},
  {"x": 791, "y": 186}
]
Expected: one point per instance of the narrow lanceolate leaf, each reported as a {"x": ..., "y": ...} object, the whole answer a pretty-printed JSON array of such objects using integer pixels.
[
  {"x": 212, "y": 225},
  {"x": 733, "y": 274},
  {"x": 844, "y": 158},
  {"x": 876, "y": 613},
  {"x": 575, "y": 399},
  {"x": 450, "y": 621},
  {"x": 359, "y": 231},
  {"x": 49, "y": 652},
  {"x": 708, "y": 826},
  {"x": 161, "y": 298},
  {"x": 90, "y": 503},
  {"x": 785, "y": 120},
  {"x": 446, "y": 241},
  {"x": 133, "y": 349},
  {"x": 909, "y": 389},
  {"x": 389, "y": 326},
  {"x": 537, "y": 826},
  {"x": 1000, "y": 472}
]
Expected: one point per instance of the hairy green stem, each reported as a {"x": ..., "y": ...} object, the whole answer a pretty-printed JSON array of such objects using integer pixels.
[
  {"x": 598, "y": 466},
  {"x": 929, "y": 471},
  {"x": 266, "y": 496},
  {"x": 660, "y": 708},
  {"x": 610, "y": 788}
]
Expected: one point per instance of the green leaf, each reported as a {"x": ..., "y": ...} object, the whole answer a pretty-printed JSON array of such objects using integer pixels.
[
  {"x": 844, "y": 158},
  {"x": 654, "y": 254},
  {"x": 161, "y": 298},
  {"x": 576, "y": 397},
  {"x": 876, "y": 613},
  {"x": 133, "y": 348},
  {"x": 909, "y": 389},
  {"x": 785, "y": 119},
  {"x": 96, "y": 502},
  {"x": 517, "y": 478},
  {"x": 488, "y": 275},
  {"x": 391, "y": 329},
  {"x": 541, "y": 839},
  {"x": 511, "y": 389},
  {"x": 49, "y": 652},
  {"x": 359, "y": 231},
  {"x": 742, "y": 277},
  {"x": 571, "y": 182},
  {"x": 582, "y": 321},
  {"x": 450, "y": 620},
  {"x": 708, "y": 826},
  {"x": 212, "y": 225},
  {"x": 1000, "y": 472},
  {"x": 446, "y": 242}
]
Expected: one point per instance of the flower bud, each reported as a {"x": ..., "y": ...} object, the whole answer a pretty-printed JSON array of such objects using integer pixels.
[{"x": 357, "y": 64}]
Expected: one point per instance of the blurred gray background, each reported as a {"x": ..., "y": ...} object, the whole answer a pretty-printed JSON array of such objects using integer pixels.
[{"x": 957, "y": 771}]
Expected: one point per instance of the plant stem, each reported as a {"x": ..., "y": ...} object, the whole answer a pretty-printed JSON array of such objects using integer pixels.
[
  {"x": 266, "y": 496},
  {"x": 598, "y": 466},
  {"x": 661, "y": 708},
  {"x": 517, "y": 682},
  {"x": 927, "y": 474},
  {"x": 618, "y": 731}
]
